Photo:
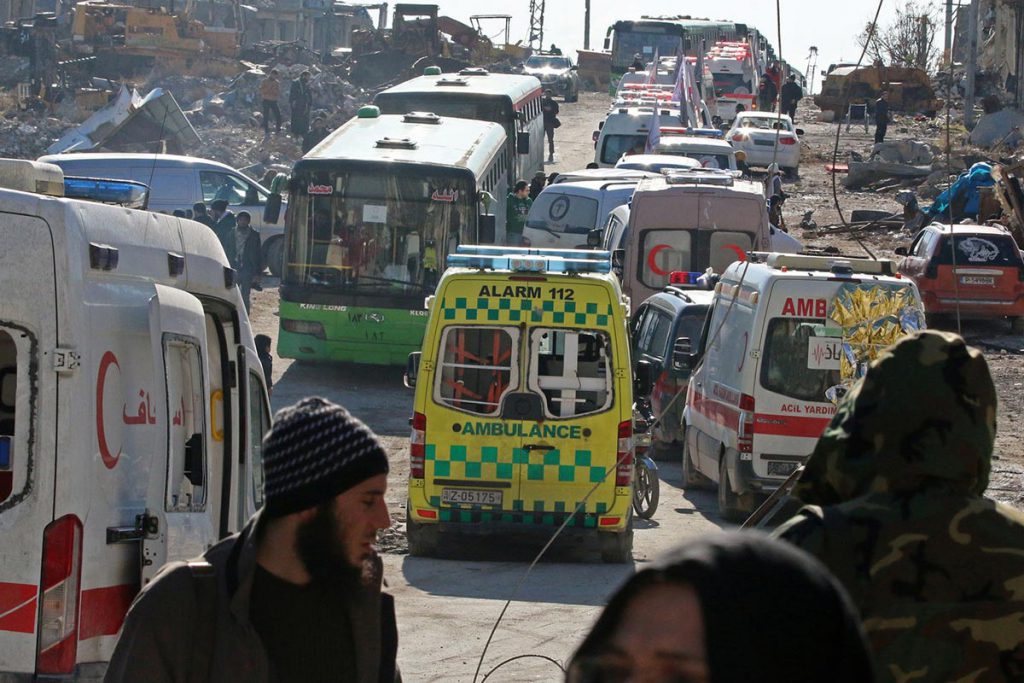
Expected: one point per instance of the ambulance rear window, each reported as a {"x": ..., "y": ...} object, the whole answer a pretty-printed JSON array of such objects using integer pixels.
[
  {"x": 15, "y": 345},
  {"x": 572, "y": 369},
  {"x": 478, "y": 366},
  {"x": 785, "y": 369}
]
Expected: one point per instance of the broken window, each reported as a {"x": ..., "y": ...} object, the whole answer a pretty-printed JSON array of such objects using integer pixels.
[
  {"x": 478, "y": 366},
  {"x": 572, "y": 370}
]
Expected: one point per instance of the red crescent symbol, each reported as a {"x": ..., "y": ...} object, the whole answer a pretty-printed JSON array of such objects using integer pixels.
[
  {"x": 108, "y": 359},
  {"x": 650, "y": 259},
  {"x": 741, "y": 255}
]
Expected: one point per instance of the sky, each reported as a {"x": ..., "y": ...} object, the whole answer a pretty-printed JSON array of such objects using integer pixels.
[{"x": 829, "y": 25}]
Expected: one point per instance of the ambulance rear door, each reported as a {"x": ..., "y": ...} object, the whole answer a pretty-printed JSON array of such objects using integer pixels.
[
  {"x": 181, "y": 517},
  {"x": 28, "y": 425}
]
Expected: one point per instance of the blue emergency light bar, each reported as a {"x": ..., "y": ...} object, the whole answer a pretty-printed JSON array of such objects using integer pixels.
[
  {"x": 526, "y": 260},
  {"x": 128, "y": 193}
]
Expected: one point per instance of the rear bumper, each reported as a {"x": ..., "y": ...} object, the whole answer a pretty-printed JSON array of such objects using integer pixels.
[
  {"x": 758, "y": 155},
  {"x": 479, "y": 522},
  {"x": 946, "y": 303}
]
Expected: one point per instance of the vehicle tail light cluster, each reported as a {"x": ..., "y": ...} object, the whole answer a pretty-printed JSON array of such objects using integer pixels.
[
  {"x": 624, "y": 454},
  {"x": 58, "y": 611},
  {"x": 745, "y": 435},
  {"x": 739, "y": 137},
  {"x": 787, "y": 141},
  {"x": 418, "y": 446},
  {"x": 304, "y": 327}
]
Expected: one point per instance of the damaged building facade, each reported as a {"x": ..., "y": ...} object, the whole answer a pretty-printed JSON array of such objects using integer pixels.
[{"x": 1000, "y": 27}]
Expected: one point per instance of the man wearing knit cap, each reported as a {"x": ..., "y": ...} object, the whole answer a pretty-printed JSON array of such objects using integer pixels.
[{"x": 296, "y": 595}]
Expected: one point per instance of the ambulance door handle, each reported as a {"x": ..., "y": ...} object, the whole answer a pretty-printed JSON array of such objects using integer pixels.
[{"x": 537, "y": 447}]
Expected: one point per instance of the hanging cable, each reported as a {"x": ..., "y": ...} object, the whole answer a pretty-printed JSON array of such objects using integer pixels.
[
  {"x": 839, "y": 129},
  {"x": 949, "y": 202}
]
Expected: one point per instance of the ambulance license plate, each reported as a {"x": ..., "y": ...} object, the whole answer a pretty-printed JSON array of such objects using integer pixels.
[
  {"x": 780, "y": 469},
  {"x": 977, "y": 280},
  {"x": 470, "y": 497}
]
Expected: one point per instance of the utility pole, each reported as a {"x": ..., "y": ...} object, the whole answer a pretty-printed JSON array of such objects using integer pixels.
[
  {"x": 586, "y": 25},
  {"x": 972, "y": 63},
  {"x": 812, "y": 65},
  {"x": 947, "y": 47}
]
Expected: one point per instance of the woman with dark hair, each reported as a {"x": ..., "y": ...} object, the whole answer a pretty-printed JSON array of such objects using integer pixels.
[{"x": 728, "y": 607}]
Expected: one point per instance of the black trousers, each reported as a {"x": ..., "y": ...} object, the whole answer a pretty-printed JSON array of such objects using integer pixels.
[
  {"x": 270, "y": 107},
  {"x": 550, "y": 132},
  {"x": 880, "y": 131}
]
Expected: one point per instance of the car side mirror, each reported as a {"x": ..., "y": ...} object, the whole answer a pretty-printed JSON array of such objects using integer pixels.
[
  {"x": 412, "y": 369},
  {"x": 594, "y": 237},
  {"x": 800, "y": 132},
  {"x": 272, "y": 209},
  {"x": 682, "y": 355},
  {"x": 574, "y": 67},
  {"x": 194, "y": 459},
  {"x": 487, "y": 224},
  {"x": 523, "y": 142},
  {"x": 643, "y": 380},
  {"x": 618, "y": 261},
  {"x": 900, "y": 251}
]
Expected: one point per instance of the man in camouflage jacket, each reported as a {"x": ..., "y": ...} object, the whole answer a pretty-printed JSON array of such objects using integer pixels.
[{"x": 895, "y": 509}]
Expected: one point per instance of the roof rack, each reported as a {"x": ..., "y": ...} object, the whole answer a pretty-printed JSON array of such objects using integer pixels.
[
  {"x": 449, "y": 81},
  {"x": 699, "y": 176},
  {"x": 839, "y": 265},
  {"x": 474, "y": 71},
  {"x": 421, "y": 117},
  {"x": 396, "y": 143}
]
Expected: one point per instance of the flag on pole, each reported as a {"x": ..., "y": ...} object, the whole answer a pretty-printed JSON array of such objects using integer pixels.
[
  {"x": 654, "y": 134},
  {"x": 677, "y": 92},
  {"x": 652, "y": 76}
]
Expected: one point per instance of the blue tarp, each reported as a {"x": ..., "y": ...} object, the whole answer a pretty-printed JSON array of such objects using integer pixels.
[{"x": 963, "y": 194}]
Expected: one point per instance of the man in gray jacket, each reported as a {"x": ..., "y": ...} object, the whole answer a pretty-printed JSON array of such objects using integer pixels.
[{"x": 296, "y": 596}]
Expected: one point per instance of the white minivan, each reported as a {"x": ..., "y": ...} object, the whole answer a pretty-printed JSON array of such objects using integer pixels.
[
  {"x": 563, "y": 214},
  {"x": 178, "y": 182},
  {"x": 786, "y": 337}
]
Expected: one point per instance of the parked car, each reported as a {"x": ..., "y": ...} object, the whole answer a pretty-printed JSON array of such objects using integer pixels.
[
  {"x": 178, "y": 182},
  {"x": 666, "y": 316},
  {"x": 564, "y": 214},
  {"x": 754, "y": 133},
  {"x": 555, "y": 72},
  {"x": 982, "y": 277},
  {"x": 711, "y": 153}
]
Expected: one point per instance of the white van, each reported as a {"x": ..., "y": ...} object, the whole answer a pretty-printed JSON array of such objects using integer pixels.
[
  {"x": 710, "y": 152},
  {"x": 563, "y": 214},
  {"x": 625, "y": 131},
  {"x": 178, "y": 182},
  {"x": 690, "y": 221},
  {"x": 785, "y": 338},
  {"x": 132, "y": 404}
]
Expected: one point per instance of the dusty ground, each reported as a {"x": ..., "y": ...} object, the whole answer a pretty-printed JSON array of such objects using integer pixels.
[{"x": 448, "y": 607}]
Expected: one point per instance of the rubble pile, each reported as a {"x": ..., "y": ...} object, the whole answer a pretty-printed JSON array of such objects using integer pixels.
[{"x": 26, "y": 135}]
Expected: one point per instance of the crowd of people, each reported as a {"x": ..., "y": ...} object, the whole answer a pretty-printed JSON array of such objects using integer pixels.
[{"x": 897, "y": 568}]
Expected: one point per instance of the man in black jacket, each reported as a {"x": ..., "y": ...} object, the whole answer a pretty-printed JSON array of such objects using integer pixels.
[
  {"x": 296, "y": 596},
  {"x": 248, "y": 261},
  {"x": 300, "y": 99},
  {"x": 789, "y": 97},
  {"x": 550, "y": 109},
  {"x": 881, "y": 116}
]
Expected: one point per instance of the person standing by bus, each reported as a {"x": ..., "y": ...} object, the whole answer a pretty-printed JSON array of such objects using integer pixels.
[
  {"x": 300, "y": 99},
  {"x": 550, "y": 109},
  {"x": 516, "y": 209},
  {"x": 248, "y": 260},
  {"x": 270, "y": 93}
]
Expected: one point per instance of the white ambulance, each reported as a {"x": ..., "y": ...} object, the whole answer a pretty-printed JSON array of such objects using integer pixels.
[
  {"x": 736, "y": 78},
  {"x": 626, "y": 129},
  {"x": 785, "y": 337},
  {"x": 132, "y": 403}
]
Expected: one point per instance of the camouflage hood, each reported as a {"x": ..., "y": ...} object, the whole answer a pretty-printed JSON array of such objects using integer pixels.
[{"x": 925, "y": 413}]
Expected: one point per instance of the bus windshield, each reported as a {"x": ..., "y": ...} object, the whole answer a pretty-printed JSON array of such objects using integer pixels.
[
  {"x": 632, "y": 42},
  {"x": 375, "y": 232},
  {"x": 478, "y": 108}
]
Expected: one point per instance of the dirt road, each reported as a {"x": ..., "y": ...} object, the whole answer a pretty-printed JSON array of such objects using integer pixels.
[{"x": 446, "y": 608}]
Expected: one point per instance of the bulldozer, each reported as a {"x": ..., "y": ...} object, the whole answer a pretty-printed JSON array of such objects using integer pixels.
[
  {"x": 128, "y": 39},
  {"x": 910, "y": 89},
  {"x": 379, "y": 55}
]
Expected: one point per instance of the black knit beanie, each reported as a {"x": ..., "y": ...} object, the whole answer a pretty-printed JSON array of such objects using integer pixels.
[{"x": 314, "y": 451}]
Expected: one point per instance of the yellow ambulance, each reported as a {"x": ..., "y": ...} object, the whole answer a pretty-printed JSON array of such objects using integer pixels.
[{"x": 523, "y": 405}]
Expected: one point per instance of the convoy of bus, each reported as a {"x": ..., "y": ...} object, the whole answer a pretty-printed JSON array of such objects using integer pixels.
[
  {"x": 510, "y": 100},
  {"x": 132, "y": 405},
  {"x": 374, "y": 210}
]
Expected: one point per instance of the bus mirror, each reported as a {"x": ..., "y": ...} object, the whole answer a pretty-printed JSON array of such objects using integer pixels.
[
  {"x": 486, "y": 228},
  {"x": 607, "y": 43},
  {"x": 523, "y": 142},
  {"x": 272, "y": 210},
  {"x": 412, "y": 369},
  {"x": 594, "y": 237},
  {"x": 643, "y": 380},
  {"x": 486, "y": 199}
]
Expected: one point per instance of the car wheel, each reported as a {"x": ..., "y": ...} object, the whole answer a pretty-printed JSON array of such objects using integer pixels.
[
  {"x": 790, "y": 171},
  {"x": 273, "y": 255},
  {"x": 617, "y": 548},
  {"x": 423, "y": 538},
  {"x": 692, "y": 479},
  {"x": 728, "y": 502}
]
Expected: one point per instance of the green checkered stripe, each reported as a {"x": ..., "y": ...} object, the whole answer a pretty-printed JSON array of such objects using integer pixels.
[
  {"x": 483, "y": 462},
  {"x": 555, "y": 312},
  {"x": 583, "y": 520}
]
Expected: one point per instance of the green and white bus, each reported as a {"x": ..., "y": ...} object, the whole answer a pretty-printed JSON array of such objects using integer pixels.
[
  {"x": 373, "y": 212},
  {"x": 511, "y": 100}
]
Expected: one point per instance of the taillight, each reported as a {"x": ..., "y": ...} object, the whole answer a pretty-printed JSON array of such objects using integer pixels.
[
  {"x": 304, "y": 327},
  {"x": 745, "y": 435},
  {"x": 787, "y": 141},
  {"x": 739, "y": 137},
  {"x": 624, "y": 454},
  {"x": 58, "y": 610},
  {"x": 417, "y": 446}
]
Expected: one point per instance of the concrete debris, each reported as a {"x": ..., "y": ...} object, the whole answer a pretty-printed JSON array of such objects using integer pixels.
[
  {"x": 863, "y": 173},
  {"x": 1002, "y": 128},
  {"x": 911, "y": 152}
]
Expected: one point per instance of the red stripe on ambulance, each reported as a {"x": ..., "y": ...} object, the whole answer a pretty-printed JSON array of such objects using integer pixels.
[{"x": 18, "y": 607}]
